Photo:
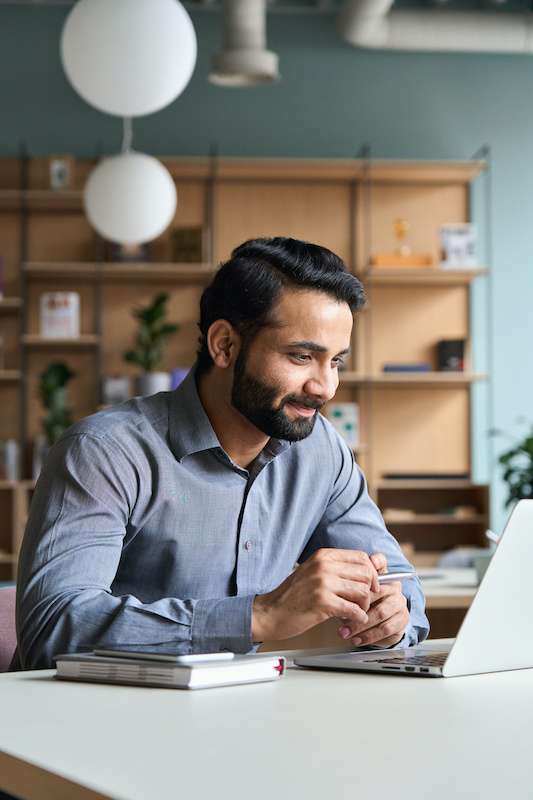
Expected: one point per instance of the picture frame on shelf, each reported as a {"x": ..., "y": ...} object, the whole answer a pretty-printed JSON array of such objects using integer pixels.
[
  {"x": 458, "y": 246},
  {"x": 60, "y": 315},
  {"x": 61, "y": 170},
  {"x": 345, "y": 419},
  {"x": 188, "y": 244}
]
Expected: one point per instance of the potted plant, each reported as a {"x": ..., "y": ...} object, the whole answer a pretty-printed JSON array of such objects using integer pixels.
[
  {"x": 53, "y": 393},
  {"x": 149, "y": 343},
  {"x": 517, "y": 463}
]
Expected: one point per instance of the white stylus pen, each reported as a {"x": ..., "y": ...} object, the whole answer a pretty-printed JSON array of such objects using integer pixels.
[
  {"x": 387, "y": 577},
  {"x": 492, "y": 536}
]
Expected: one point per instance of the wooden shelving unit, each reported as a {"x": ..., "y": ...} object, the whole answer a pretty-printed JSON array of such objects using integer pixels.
[
  {"x": 434, "y": 519},
  {"x": 113, "y": 272},
  {"x": 10, "y": 305},
  {"x": 410, "y": 423},
  {"x": 9, "y": 376},
  {"x": 79, "y": 343},
  {"x": 427, "y": 379},
  {"x": 421, "y": 277}
]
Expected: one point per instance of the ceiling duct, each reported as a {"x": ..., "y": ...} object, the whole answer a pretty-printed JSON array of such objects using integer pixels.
[
  {"x": 372, "y": 24},
  {"x": 244, "y": 59}
]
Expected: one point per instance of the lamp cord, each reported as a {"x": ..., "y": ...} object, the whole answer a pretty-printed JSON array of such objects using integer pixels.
[{"x": 127, "y": 136}]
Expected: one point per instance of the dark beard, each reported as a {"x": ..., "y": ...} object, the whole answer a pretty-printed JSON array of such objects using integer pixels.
[{"x": 255, "y": 401}]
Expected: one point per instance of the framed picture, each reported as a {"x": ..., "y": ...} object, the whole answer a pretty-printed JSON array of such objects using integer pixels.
[
  {"x": 345, "y": 419},
  {"x": 458, "y": 246},
  {"x": 61, "y": 172}
]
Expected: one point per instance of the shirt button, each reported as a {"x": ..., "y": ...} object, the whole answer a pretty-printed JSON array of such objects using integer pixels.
[{"x": 248, "y": 544}]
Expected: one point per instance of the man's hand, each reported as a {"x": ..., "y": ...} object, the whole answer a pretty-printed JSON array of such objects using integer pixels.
[
  {"x": 388, "y": 618},
  {"x": 332, "y": 583}
]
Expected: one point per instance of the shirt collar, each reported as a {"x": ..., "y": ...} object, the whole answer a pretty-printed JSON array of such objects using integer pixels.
[{"x": 190, "y": 430}]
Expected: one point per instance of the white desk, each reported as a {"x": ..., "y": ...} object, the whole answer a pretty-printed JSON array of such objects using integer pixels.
[{"x": 313, "y": 735}]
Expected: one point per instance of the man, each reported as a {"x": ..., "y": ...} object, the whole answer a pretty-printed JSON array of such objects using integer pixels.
[{"x": 176, "y": 520}]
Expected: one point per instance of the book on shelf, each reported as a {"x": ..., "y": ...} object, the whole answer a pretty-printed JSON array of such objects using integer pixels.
[
  {"x": 415, "y": 366},
  {"x": 199, "y": 671}
]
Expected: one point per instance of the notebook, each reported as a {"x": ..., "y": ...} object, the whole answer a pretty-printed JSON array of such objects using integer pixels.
[{"x": 175, "y": 672}]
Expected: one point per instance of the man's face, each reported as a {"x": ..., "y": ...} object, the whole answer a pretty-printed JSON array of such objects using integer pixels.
[{"x": 290, "y": 369}]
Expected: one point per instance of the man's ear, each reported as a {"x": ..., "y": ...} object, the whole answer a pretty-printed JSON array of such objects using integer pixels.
[{"x": 223, "y": 342}]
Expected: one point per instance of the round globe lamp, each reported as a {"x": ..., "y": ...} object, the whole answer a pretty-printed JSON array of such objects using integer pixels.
[
  {"x": 130, "y": 198},
  {"x": 128, "y": 57}
]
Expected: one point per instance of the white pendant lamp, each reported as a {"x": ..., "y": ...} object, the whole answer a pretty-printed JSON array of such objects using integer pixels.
[
  {"x": 128, "y": 57},
  {"x": 130, "y": 198}
]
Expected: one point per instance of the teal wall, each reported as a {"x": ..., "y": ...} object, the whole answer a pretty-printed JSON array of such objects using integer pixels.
[{"x": 331, "y": 100}]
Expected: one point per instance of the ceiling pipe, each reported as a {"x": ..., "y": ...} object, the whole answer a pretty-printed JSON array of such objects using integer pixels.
[
  {"x": 244, "y": 59},
  {"x": 372, "y": 24}
]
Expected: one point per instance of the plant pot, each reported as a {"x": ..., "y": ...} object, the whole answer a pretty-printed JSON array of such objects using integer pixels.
[{"x": 152, "y": 382}]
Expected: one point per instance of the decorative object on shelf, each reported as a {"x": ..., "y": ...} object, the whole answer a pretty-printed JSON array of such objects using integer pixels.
[
  {"x": 458, "y": 246},
  {"x": 415, "y": 366},
  {"x": 9, "y": 460},
  {"x": 345, "y": 419},
  {"x": 53, "y": 394},
  {"x": 115, "y": 389},
  {"x": 61, "y": 172},
  {"x": 517, "y": 463},
  {"x": 188, "y": 245},
  {"x": 451, "y": 355},
  {"x": 177, "y": 376},
  {"x": 60, "y": 315},
  {"x": 130, "y": 198},
  {"x": 127, "y": 253},
  {"x": 128, "y": 59},
  {"x": 402, "y": 256},
  {"x": 148, "y": 353}
]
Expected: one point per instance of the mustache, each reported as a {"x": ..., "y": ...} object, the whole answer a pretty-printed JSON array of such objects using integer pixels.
[{"x": 303, "y": 402}]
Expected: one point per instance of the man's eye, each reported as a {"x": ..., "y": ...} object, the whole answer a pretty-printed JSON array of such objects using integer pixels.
[
  {"x": 338, "y": 361},
  {"x": 302, "y": 357}
]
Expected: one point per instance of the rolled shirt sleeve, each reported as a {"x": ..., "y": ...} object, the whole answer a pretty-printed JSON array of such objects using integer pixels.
[
  {"x": 352, "y": 521},
  {"x": 78, "y": 524}
]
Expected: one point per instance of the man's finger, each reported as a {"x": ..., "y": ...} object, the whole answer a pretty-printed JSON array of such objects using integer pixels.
[
  {"x": 388, "y": 632},
  {"x": 351, "y": 612},
  {"x": 378, "y": 614},
  {"x": 355, "y": 592},
  {"x": 379, "y": 561},
  {"x": 363, "y": 573}
]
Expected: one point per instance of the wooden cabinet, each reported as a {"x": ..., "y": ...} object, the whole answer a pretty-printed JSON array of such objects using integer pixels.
[{"x": 410, "y": 423}]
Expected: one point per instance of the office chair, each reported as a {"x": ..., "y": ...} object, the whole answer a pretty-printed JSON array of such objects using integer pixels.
[{"x": 8, "y": 636}]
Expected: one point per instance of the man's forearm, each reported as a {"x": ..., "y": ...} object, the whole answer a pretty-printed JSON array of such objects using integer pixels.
[{"x": 86, "y": 619}]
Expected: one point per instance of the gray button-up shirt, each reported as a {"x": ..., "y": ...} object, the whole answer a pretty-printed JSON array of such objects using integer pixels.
[{"x": 144, "y": 532}]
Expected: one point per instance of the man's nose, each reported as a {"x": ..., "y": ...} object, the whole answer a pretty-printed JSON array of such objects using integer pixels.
[{"x": 323, "y": 384}]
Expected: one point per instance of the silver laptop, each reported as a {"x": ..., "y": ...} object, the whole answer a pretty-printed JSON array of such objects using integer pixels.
[{"x": 496, "y": 631}]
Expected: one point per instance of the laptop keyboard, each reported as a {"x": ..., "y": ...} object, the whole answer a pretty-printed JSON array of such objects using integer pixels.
[{"x": 429, "y": 659}]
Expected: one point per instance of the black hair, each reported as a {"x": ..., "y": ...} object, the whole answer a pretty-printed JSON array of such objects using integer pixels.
[{"x": 248, "y": 285}]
